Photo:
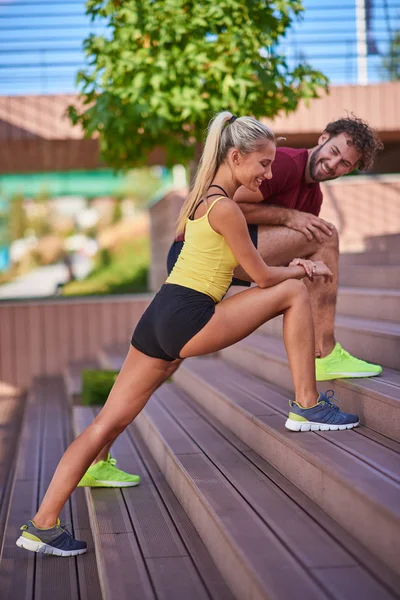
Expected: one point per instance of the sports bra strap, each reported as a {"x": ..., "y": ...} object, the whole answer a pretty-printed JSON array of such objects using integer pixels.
[
  {"x": 217, "y": 186},
  {"x": 191, "y": 216},
  {"x": 214, "y": 202}
]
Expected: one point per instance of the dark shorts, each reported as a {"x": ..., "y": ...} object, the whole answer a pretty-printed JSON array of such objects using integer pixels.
[
  {"x": 174, "y": 316},
  {"x": 176, "y": 247}
]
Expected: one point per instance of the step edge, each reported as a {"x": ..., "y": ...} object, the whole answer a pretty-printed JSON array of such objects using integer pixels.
[
  {"x": 305, "y": 454},
  {"x": 145, "y": 421},
  {"x": 386, "y": 513},
  {"x": 344, "y": 382}
]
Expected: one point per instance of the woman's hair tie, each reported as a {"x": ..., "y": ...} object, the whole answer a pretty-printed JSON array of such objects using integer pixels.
[{"x": 232, "y": 119}]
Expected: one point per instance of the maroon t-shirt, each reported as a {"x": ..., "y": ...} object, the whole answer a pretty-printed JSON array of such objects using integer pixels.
[{"x": 287, "y": 186}]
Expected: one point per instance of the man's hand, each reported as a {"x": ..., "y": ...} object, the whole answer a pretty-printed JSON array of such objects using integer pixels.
[{"x": 311, "y": 226}]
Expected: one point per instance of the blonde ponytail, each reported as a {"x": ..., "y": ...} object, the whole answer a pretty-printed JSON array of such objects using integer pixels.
[
  {"x": 242, "y": 133},
  {"x": 207, "y": 168}
]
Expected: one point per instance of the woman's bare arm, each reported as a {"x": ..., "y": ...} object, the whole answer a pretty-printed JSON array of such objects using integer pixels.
[{"x": 227, "y": 219}]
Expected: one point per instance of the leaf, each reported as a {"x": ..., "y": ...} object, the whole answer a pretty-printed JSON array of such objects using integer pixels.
[{"x": 165, "y": 66}]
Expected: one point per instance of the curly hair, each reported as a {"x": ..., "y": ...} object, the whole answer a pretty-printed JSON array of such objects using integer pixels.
[{"x": 364, "y": 138}]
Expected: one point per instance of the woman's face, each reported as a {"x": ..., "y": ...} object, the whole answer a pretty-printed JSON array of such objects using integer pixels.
[{"x": 251, "y": 169}]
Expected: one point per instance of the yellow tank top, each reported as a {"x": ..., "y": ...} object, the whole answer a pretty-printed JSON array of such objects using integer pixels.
[{"x": 206, "y": 262}]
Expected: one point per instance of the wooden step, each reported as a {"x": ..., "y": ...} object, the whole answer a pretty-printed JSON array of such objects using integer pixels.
[
  {"x": 352, "y": 478},
  {"x": 377, "y": 342},
  {"x": 369, "y": 303},
  {"x": 11, "y": 413},
  {"x": 73, "y": 376},
  {"x": 381, "y": 276},
  {"x": 249, "y": 516},
  {"x": 375, "y": 399},
  {"x": 112, "y": 357},
  {"x": 371, "y": 258},
  {"x": 44, "y": 437},
  {"x": 383, "y": 243},
  {"x": 145, "y": 546}
]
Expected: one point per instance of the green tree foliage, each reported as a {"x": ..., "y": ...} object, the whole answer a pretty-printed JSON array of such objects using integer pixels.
[
  {"x": 117, "y": 209},
  {"x": 18, "y": 218},
  {"x": 141, "y": 184},
  {"x": 166, "y": 66},
  {"x": 391, "y": 62},
  {"x": 40, "y": 222}
]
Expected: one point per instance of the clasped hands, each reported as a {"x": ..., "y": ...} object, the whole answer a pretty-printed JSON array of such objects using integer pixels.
[{"x": 313, "y": 269}]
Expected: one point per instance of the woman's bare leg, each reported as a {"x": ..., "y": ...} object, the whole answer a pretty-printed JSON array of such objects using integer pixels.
[
  {"x": 139, "y": 377},
  {"x": 278, "y": 246},
  {"x": 107, "y": 448},
  {"x": 238, "y": 316},
  {"x": 102, "y": 455}
]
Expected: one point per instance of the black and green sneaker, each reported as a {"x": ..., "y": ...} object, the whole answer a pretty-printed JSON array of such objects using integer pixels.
[{"x": 56, "y": 540}]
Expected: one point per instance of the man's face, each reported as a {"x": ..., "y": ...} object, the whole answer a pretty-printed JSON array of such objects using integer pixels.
[{"x": 333, "y": 157}]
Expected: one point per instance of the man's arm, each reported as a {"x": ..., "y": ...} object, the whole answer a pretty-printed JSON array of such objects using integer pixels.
[
  {"x": 257, "y": 212},
  {"x": 265, "y": 214}
]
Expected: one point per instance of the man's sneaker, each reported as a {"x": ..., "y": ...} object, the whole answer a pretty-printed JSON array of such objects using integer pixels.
[
  {"x": 339, "y": 364},
  {"x": 105, "y": 474},
  {"x": 57, "y": 540},
  {"x": 323, "y": 416}
]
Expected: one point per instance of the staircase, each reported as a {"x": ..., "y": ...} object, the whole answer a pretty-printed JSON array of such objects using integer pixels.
[{"x": 231, "y": 504}]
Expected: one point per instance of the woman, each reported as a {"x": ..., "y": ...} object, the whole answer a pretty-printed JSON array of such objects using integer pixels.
[{"x": 188, "y": 316}]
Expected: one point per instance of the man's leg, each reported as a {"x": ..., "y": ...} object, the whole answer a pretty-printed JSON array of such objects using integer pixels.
[{"x": 278, "y": 246}]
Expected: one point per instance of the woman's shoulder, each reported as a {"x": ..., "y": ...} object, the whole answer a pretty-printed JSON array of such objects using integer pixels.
[
  {"x": 223, "y": 211},
  {"x": 223, "y": 204}
]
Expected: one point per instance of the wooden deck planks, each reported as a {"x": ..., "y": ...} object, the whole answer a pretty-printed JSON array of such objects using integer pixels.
[
  {"x": 42, "y": 443},
  {"x": 53, "y": 578},
  {"x": 287, "y": 512},
  {"x": 211, "y": 576},
  {"x": 139, "y": 513},
  {"x": 17, "y": 567},
  {"x": 120, "y": 562}
]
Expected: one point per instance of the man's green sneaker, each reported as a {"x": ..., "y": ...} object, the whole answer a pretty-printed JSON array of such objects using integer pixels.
[
  {"x": 105, "y": 474},
  {"x": 339, "y": 364}
]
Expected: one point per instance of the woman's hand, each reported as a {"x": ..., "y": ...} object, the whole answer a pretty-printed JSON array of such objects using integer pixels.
[{"x": 313, "y": 269}]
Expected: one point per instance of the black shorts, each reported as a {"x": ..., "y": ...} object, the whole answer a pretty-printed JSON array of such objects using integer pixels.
[
  {"x": 176, "y": 247},
  {"x": 174, "y": 316}
]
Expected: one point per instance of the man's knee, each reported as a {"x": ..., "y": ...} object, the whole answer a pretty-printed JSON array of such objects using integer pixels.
[
  {"x": 332, "y": 241},
  {"x": 278, "y": 246}
]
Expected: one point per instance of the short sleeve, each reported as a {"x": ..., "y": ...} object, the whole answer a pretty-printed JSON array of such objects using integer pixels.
[
  {"x": 315, "y": 208},
  {"x": 284, "y": 172}
]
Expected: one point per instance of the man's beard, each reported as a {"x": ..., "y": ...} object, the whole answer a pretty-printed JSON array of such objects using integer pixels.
[{"x": 313, "y": 167}]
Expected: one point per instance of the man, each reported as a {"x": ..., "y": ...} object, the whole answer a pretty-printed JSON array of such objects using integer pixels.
[{"x": 284, "y": 224}]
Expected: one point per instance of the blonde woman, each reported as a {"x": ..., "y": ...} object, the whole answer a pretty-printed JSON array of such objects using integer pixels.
[{"x": 189, "y": 317}]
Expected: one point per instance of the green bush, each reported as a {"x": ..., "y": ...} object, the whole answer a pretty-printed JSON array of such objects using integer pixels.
[
  {"x": 122, "y": 270},
  {"x": 96, "y": 385}
]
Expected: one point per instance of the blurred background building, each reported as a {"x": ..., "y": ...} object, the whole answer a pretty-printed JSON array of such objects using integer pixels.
[{"x": 52, "y": 181}]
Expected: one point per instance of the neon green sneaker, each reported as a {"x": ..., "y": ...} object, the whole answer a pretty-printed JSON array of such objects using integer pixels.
[
  {"x": 339, "y": 364},
  {"x": 105, "y": 474}
]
